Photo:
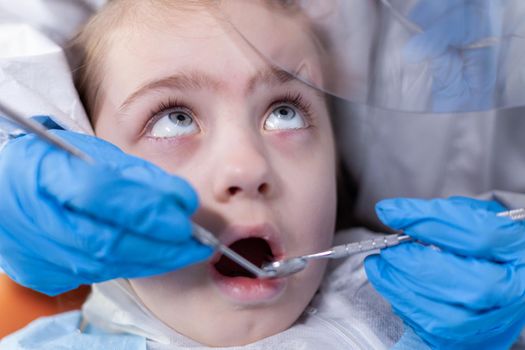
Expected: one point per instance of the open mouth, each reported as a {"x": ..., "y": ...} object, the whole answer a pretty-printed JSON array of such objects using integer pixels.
[
  {"x": 258, "y": 244},
  {"x": 254, "y": 249}
]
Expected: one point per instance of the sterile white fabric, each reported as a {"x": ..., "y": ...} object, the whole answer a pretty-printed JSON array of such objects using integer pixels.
[
  {"x": 61, "y": 332},
  {"x": 57, "y": 19},
  {"x": 35, "y": 77}
]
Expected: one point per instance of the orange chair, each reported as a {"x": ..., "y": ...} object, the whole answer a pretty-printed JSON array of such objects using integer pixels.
[{"x": 19, "y": 305}]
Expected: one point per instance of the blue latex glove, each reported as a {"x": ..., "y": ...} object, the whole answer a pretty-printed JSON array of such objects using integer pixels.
[
  {"x": 470, "y": 294},
  {"x": 64, "y": 222},
  {"x": 464, "y": 79}
]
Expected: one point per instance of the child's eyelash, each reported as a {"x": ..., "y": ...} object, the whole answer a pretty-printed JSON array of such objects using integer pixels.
[
  {"x": 297, "y": 100},
  {"x": 155, "y": 113},
  {"x": 165, "y": 105}
]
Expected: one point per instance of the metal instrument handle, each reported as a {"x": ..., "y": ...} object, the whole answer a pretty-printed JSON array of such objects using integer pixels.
[
  {"x": 392, "y": 240},
  {"x": 32, "y": 126}
]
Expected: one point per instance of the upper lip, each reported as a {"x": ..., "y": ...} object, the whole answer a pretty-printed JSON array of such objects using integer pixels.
[{"x": 265, "y": 231}]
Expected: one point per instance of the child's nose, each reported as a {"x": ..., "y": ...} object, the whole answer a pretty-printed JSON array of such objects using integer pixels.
[{"x": 245, "y": 172}]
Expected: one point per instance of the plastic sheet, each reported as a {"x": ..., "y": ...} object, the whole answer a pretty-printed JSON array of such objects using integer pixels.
[{"x": 404, "y": 55}]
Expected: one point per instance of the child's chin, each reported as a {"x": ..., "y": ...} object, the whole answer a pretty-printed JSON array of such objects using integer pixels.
[{"x": 246, "y": 329}]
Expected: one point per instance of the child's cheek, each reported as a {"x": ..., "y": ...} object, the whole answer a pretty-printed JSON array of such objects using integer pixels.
[
  {"x": 293, "y": 141},
  {"x": 309, "y": 149}
]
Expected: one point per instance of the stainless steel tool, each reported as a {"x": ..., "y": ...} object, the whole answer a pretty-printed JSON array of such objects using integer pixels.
[
  {"x": 291, "y": 266},
  {"x": 207, "y": 238},
  {"x": 32, "y": 126}
]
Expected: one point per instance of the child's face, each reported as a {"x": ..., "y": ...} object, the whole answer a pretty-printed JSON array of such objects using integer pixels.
[{"x": 255, "y": 144}]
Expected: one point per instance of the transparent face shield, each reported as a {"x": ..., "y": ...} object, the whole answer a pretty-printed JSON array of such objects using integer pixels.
[
  {"x": 403, "y": 55},
  {"x": 420, "y": 87}
]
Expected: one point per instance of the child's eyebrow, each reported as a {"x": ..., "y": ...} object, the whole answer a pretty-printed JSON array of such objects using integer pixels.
[{"x": 196, "y": 80}]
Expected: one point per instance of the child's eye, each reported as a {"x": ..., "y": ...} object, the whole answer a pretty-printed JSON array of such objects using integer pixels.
[
  {"x": 174, "y": 122},
  {"x": 285, "y": 117}
]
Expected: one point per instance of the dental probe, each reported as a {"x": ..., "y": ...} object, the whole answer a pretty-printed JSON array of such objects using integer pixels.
[
  {"x": 291, "y": 266},
  {"x": 207, "y": 238},
  {"x": 32, "y": 126}
]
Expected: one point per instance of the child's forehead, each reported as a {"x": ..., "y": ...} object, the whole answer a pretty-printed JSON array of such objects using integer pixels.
[
  {"x": 175, "y": 25},
  {"x": 200, "y": 49}
]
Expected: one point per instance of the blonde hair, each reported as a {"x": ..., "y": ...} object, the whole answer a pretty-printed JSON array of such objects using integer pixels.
[{"x": 91, "y": 44}]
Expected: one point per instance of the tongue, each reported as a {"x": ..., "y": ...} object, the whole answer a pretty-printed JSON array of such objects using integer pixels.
[{"x": 255, "y": 250}]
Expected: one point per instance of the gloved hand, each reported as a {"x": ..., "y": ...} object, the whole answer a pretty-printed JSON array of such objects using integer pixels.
[
  {"x": 470, "y": 293},
  {"x": 64, "y": 222},
  {"x": 464, "y": 76}
]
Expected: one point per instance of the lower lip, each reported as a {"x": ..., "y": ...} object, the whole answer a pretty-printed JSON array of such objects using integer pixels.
[{"x": 244, "y": 290}]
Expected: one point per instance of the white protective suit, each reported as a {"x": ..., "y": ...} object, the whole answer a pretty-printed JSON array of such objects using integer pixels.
[{"x": 35, "y": 78}]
